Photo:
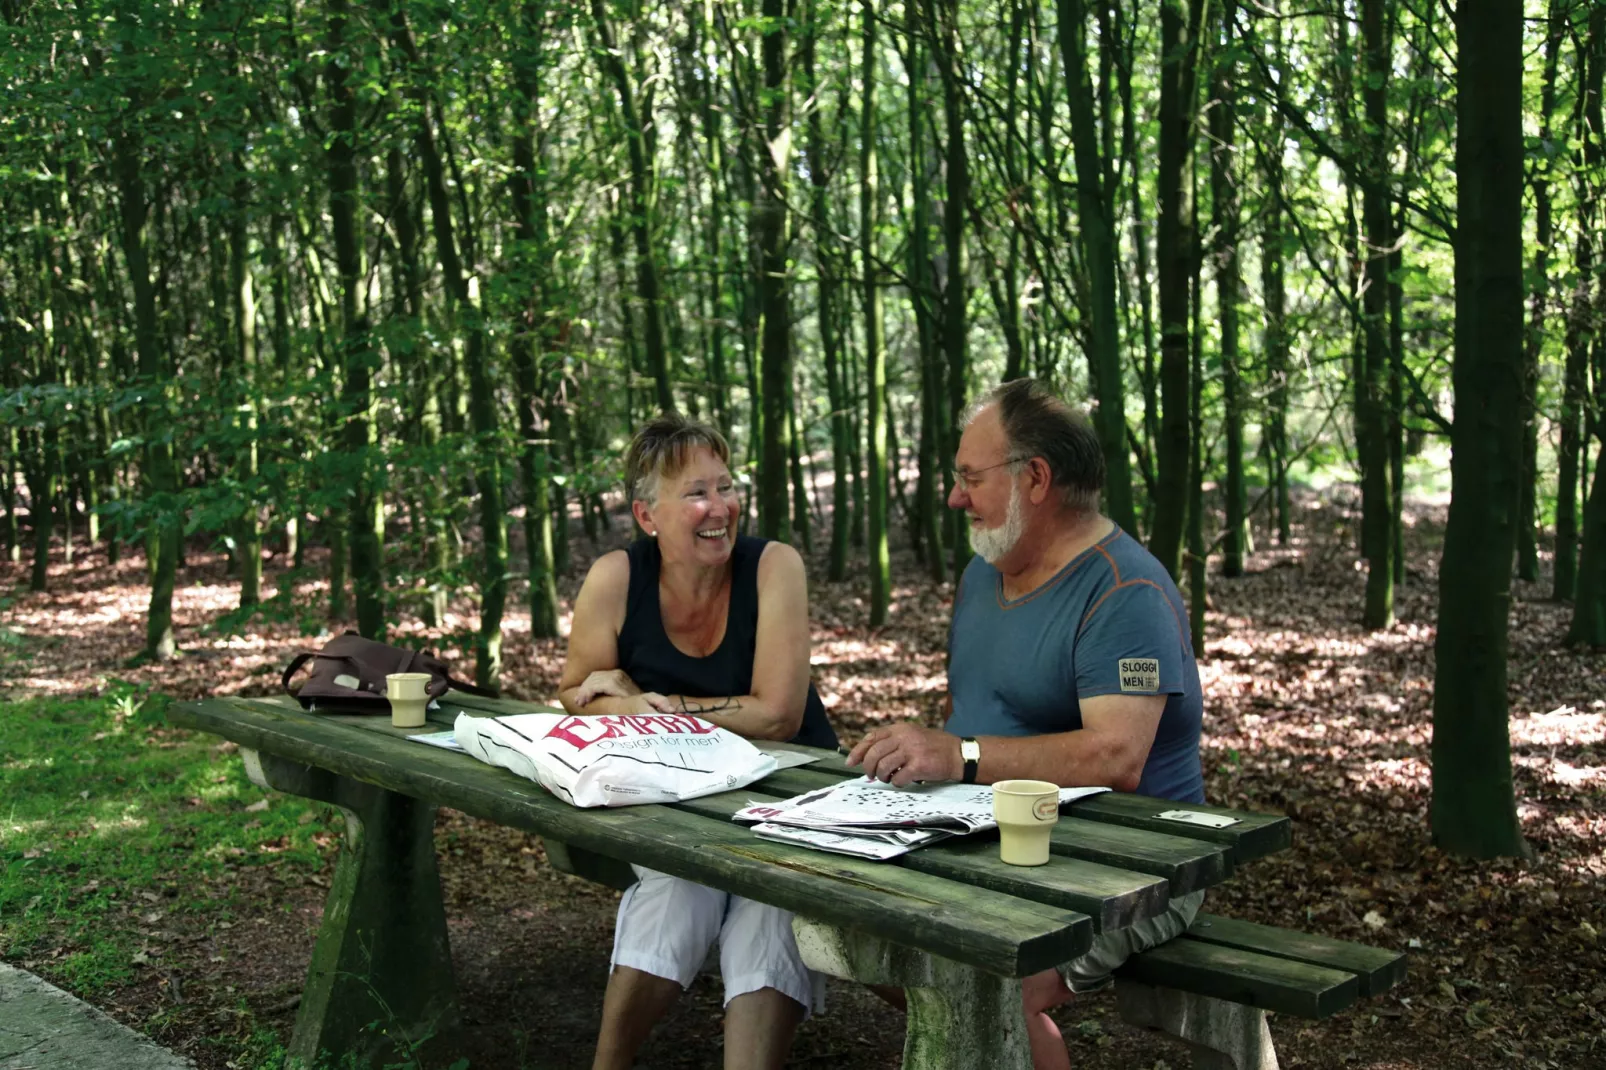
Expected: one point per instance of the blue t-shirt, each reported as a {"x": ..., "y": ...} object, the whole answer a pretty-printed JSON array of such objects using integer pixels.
[{"x": 1110, "y": 622}]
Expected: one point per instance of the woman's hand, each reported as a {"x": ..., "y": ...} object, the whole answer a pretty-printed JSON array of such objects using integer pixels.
[
  {"x": 615, "y": 682},
  {"x": 653, "y": 702}
]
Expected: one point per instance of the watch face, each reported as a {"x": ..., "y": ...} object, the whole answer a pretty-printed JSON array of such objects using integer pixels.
[{"x": 970, "y": 750}]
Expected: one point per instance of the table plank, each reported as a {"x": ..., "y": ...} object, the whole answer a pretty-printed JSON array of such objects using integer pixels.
[
  {"x": 999, "y": 933},
  {"x": 1255, "y": 836},
  {"x": 1113, "y": 898}
]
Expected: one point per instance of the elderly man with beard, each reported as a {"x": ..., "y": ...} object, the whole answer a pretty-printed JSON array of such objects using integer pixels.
[{"x": 1069, "y": 656}]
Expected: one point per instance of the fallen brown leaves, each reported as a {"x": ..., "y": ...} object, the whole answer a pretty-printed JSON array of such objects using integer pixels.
[{"x": 1307, "y": 713}]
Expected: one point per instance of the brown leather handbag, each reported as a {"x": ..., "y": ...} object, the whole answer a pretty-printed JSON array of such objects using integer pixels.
[{"x": 348, "y": 675}]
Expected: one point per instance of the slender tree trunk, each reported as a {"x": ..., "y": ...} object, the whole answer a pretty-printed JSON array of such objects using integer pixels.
[
  {"x": 642, "y": 208},
  {"x": 242, "y": 289},
  {"x": 462, "y": 288},
  {"x": 931, "y": 363},
  {"x": 1198, "y": 561},
  {"x": 1527, "y": 508},
  {"x": 828, "y": 261},
  {"x": 1140, "y": 242},
  {"x": 1096, "y": 213},
  {"x": 1371, "y": 432},
  {"x": 530, "y": 208},
  {"x": 1180, "y": 58},
  {"x": 161, "y": 476},
  {"x": 359, "y": 359},
  {"x": 1275, "y": 340},
  {"x": 1589, "y": 603},
  {"x": 956, "y": 290},
  {"x": 874, "y": 340},
  {"x": 1474, "y": 810},
  {"x": 774, "y": 288},
  {"x": 1229, "y": 290}
]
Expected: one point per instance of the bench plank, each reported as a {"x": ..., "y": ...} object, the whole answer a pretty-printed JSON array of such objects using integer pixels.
[
  {"x": 1185, "y": 861},
  {"x": 1376, "y": 969},
  {"x": 998, "y": 933},
  {"x": 1255, "y": 980},
  {"x": 1113, "y": 898}
]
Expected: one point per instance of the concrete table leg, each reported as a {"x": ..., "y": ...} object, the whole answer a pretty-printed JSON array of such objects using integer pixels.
[
  {"x": 1221, "y": 1034},
  {"x": 380, "y": 984},
  {"x": 960, "y": 1018}
]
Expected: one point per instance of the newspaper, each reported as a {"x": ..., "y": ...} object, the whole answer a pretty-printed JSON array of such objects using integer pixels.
[{"x": 870, "y": 819}]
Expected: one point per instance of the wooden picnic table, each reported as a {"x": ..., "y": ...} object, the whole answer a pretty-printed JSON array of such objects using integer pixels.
[{"x": 950, "y": 923}]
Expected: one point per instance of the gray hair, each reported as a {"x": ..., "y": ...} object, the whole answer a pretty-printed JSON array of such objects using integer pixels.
[
  {"x": 660, "y": 450},
  {"x": 1038, "y": 423}
]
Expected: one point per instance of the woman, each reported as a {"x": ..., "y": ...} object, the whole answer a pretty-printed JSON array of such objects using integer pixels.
[{"x": 696, "y": 619}]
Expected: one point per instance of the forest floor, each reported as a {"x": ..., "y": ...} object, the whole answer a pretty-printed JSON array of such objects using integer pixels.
[{"x": 1307, "y": 713}]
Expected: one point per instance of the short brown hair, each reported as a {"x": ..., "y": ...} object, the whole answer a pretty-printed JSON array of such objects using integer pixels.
[
  {"x": 660, "y": 449},
  {"x": 1038, "y": 423}
]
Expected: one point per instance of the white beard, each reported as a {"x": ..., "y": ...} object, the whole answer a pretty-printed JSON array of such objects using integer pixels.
[{"x": 994, "y": 543}]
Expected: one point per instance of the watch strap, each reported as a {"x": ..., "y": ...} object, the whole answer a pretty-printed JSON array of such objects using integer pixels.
[{"x": 970, "y": 751}]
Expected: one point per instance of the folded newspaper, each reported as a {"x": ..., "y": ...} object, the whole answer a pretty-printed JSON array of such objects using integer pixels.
[{"x": 870, "y": 819}]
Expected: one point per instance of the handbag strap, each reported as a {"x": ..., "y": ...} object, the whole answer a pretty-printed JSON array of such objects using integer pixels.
[{"x": 294, "y": 666}]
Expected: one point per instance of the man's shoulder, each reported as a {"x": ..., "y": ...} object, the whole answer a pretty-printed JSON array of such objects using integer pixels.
[{"x": 1131, "y": 560}]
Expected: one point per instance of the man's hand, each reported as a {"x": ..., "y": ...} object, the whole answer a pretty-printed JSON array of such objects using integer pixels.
[{"x": 901, "y": 754}]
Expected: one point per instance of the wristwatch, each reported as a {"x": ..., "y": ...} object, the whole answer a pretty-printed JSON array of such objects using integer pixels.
[{"x": 970, "y": 751}]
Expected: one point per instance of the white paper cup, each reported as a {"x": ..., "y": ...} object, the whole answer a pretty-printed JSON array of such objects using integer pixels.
[
  {"x": 1026, "y": 811},
  {"x": 408, "y": 699}
]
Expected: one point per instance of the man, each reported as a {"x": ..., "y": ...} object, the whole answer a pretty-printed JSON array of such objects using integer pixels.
[{"x": 1069, "y": 656}]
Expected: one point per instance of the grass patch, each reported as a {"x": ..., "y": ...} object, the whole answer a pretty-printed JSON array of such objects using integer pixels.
[{"x": 110, "y": 823}]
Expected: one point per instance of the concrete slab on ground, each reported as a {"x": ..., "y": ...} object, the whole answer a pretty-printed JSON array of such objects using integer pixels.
[{"x": 44, "y": 1028}]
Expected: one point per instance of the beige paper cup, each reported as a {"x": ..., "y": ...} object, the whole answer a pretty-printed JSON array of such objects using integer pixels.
[
  {"x": 1026, "y": 811},
  {"x": 408, "y": 699}
]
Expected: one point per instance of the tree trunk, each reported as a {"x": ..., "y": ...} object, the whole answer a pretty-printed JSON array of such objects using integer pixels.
[
  {"x": 956, "y": 287},
  {"x": 243, "y": 291},
  {"x": 1273, "y": 291},
  {"x": 529, "y": 201},
  {"x": 1589, "y": 604},
  {"x": 1180, "y": 59},
  {"x": 161, "y": 476},
  {"x": 1096, "y": 213},
  {"x": 774, "y": 288},
  {"x": 874, "y": 340},
  {"x": 358, "y": 356},
  {"x": 931, "y": 363},
  {"x": 1527, "y": 508},
  {"x": 1573, "y": 447},
  {"x": 463, "y": 292},
  {"x": 1371, "y": 432},
  {"x": 1229, "y": 291},
  {"x": 1474, "y": 810},
  {"x": 642, "y": 205}
]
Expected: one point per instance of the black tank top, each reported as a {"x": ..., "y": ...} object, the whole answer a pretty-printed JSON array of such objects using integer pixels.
[{"x": 655, "y": 664}]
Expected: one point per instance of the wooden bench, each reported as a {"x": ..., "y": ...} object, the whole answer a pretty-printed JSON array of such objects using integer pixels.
[
  {"x": 1212, "y": 986},
  {"x": 951, "y": 924}
]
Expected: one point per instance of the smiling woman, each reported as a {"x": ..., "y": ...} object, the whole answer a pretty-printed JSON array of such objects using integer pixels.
[{"x": 697, "y": 619}]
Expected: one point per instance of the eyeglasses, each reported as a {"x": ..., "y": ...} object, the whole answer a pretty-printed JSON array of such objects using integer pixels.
[{"x": 965, "y": 478}]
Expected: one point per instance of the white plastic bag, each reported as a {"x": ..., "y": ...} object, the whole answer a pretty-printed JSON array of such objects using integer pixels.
[{"x": 616, "y": 761}]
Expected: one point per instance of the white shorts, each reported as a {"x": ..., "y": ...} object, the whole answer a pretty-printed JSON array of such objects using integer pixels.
[
  {"x": 1095, "y": 968},
  {"x": 667, "y": 925}
]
